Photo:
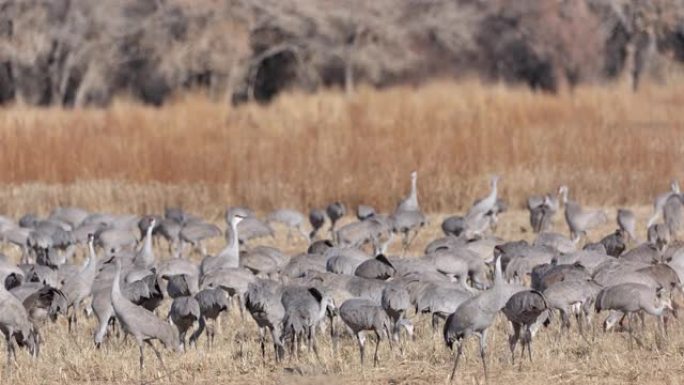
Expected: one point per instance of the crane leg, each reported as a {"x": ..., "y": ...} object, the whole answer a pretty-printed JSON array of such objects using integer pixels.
[
  {"x": 378, "y": 338},
  {"x": 362, "y": 340},
  {"x": 459, "y": 351},
  {"x": 312, "y": 342},
  {"x": 161, "y": 361},
  {"x": 513, "y": 340},
  {"x": 528, "y": 342},
  {"x": 483, "y": 352}
]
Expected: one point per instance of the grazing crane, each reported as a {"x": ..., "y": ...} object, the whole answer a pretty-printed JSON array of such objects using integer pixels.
[
  {"x": 629, "y": 298},
  {"x": 363, "y": 315},
  {"x": 396, "y": 301},
  {"x": 177, "y": 285},
  {"x": 141, "y": 323},
  {"x": 523, "y": 310},
  {"x": 304, "y": 308},
  {"x": 184, "y": 312},
  {"x": 43, "y": 303},
  {"x": 579, "y": 220},
  {"x": 264, "y": 302},
  {"x": 659, "y": 236},
  {"x": 627, "y": 223},
  {"x": 377, "y": 268},
  {"x": 212, "y": 302},
  {"x": 475, "y": 316},
  {"x": 16, "y": 326},
  {"x": 316, "y": 219},
  {"x": 659, "y": 203},
  {"x": 335, "y": 211},
  {"x": 572, "y": 297}
]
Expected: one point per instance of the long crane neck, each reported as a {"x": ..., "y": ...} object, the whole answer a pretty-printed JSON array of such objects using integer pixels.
[
  {"x": 116, "y": 286},
  {"x": 232, "y": 249}
]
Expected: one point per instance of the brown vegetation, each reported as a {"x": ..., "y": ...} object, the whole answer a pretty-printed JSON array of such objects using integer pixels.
[{"x": 608, "y": 145}]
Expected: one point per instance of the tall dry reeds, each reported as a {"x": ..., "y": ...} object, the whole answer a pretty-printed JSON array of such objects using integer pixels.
[{"x": 609, "y": 145}]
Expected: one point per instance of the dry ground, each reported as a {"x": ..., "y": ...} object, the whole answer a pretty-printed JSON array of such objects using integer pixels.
[{"x": 236, "y": 357}]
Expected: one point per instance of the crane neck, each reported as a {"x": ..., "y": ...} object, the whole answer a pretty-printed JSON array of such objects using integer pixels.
[
  {"x": 116, "y": 285},
  {"x": 232, "y": 249}
]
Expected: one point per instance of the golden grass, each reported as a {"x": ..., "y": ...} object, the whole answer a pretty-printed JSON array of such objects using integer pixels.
[
  {"x": 609, "y": 145},
  {"x": 236, "y": 358}
]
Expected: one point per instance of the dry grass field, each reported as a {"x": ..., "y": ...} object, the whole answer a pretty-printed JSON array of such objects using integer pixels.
[
  {"x": 609, "y": 145},
  {"x": 236, "y": 357},
  {"x": 612, "y": 148}
]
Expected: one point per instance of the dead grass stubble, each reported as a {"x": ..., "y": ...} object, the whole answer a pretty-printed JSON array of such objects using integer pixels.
[{"x": 236, "y": 358}]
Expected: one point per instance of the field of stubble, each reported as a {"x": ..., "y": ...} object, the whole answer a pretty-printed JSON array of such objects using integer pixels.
[{"x": 236, "y": 357}]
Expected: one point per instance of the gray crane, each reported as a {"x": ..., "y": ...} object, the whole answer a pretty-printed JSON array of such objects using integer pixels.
[
  {"x": 396, "y": 301},
  {"x": 212, "y": 302},
  {"x": 579, "y": 220},
  {"x": 317, "y": 220},
  {"x": 364, "y": 212},
  {"x": 574, "y": 297},
  {"x": 184, "y": 312},
  {"x": 629, "y": 298},
  {"x": 78, "y": 287},
  {"x": 335, "y": 212},
  {"x": 672, "y": 214},
  {"x": 290, "y": 218},
  {"x": 177, "y": 285},
  {"x": 523, "y": 310},
  {"x": 627, "y": 223},
  {"x": 195, "y": 232},
  {"x": 362, "y": 315},
  {"x": 144, "y": 258},
  {"x": 141, "y": 323},
  {"x": 659, "y": 203},
  {"x": 410, "y": 202},
  {"x": 304, "y": 308},
  {"x": 659, "y": 236},
  {"x": 475, "y": 316},
  {"x": 408, "y": 218},
  {"x": 16, "y": 326},
  {"x": 376, "y": 268},
  {"x": 229, "y": 257},
  {"x": 44, "y": 303},
  {"x": 542, "y": 210},
  {"x": 264, "y": 302}
]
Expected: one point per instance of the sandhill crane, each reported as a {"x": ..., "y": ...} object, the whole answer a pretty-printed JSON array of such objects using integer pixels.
[
  {"x": 335, "y": 212},
  {"x": 363, "y": 315},
  {"x": 410, "y": 203},
  {"x": 659, "y": 203},
  {"x": 304, "y": 309},
  {"x": 629, "y": 298},
  {"x": 195, "y": 232},
  {"x": 46, "y": 302},
  {"x": 440, "y": 301},
  {"x": 250, "y": 227},
  {"x": 80, "y": 286},
  {"x": 316, "y": 219},
  {"x": 177, "y": 285},
  {"x": 16, "y": 325},
  {"x": 542, "y": 210},
  {"x": 263, "y": 300},
  {"x": 486, "y": 204},
  {"x": 290, "y": 218},
  {"x": 672, "y": 214},
  {"x": 144, "y": 258},
  {"x": 627, "y": 223},
  {"x": 212, "y": 302},
  {"x": 377, "y": 268},
  {"x": 615, "y": 243},
  {"x": 475, "y": 316},
  {"x": 396, "y": 301},
  {"x": 408, "y": 218},
  {"x": 523, "y": 309},
  {"x": 659, "y": 236},
  {"x": 229, "y": 257},
  {"x": 184, "y": 312},
  {"x": 454, "y": 225},
  {"x": 572, "y": 296},
  {"x": 579, "y": 220},
  {"x": 364, "y": 212},
  {"x": 140, "y": 323}
]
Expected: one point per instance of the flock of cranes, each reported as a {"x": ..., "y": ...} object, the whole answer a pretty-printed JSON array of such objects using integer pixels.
[{"x": 345, "y": 283}]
